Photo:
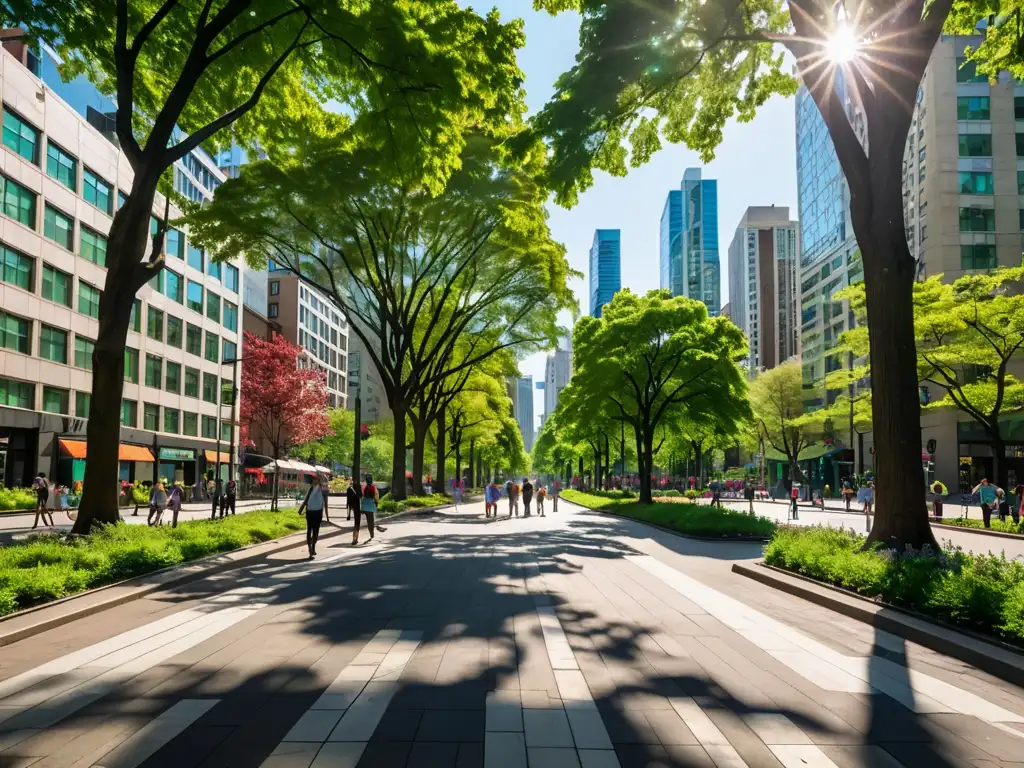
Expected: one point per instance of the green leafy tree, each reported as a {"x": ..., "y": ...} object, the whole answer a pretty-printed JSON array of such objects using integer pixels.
[
  {"x": 654, "y": 359},
  {"x": 189, "y": 72},
  {"x": 338, "y": 444},
  {"x": 433, "y": 284},
  {"x": 679, "y": 70},
  {"x": 777, "y": 401}
]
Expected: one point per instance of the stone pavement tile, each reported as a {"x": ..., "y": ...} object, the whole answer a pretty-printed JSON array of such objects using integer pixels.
[
  {"x": 725, "y": 756},
  {"x": 292, "y": 756},
  {"x": 552, "y": 757},
  {"x": 471, "y": 755},
  {"x": 750, "y": 748},
  {"x": 547, "y": 728},
  {"x": 598, "y": 758},
  {"x": 991, "y": 741},
  {"x": 426, "y": 754},
  {"x": 627, "y": 726},
  {"x": 451, "y": 725},
  {"x": 42, "y": 742},
  {"x": 504, "y": 750},
  {"x": 188, "y": 749},
  {"x": 690, "y": 756},
  {"x": 339, "y": 755},
  {"x": 669, "y": 728},
  {"x": 539, "y": 700},
  {"x": 394, "y": 754},
  {"x": 315, "y": 725},
  {"x": 504, "y": 711},
  {"x": 19, "y": 762},
  {"x": 644, "y": 700},
  {"x": 398, "y": 725},
  {"x": 587, "y": 727},
  {"x": 258, "y": 736},
  {"x": 775, "y": 728},
  {"x": 887, "y": 720},
  {"x": 361, "y": 719},
  {"x": 860, "y": 756},
  {"x": 925, "y": 755},
  {"x": 641, "y": 755}
]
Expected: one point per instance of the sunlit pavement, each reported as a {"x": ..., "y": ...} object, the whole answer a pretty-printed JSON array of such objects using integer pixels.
[{"x": 577, "y": 639}]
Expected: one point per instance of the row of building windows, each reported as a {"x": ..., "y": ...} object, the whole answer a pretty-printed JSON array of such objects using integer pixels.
[{"x": 980, "y": 145}]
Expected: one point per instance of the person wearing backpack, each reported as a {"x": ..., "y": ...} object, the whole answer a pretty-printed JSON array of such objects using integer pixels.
[
  {"x": 367, "y": 506},
  {"x": 315, "y": 507},
  {"x": 42, "y": 490}
]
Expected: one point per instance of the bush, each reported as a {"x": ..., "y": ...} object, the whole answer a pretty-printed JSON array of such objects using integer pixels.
[
  {"x": 390, "y": 506},
  {"x": 50, "y": 567},
  {"x": 996, "y": 524},
  {"x": 673, "y": 493},
  {"x": 692, "y": 493},
  {"x": 981, "y": 592},
  {"x": 435, "y": 500},
  {"x": 17, "y": 498}
]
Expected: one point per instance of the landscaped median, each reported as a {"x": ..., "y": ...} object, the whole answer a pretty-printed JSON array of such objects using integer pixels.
[
  {"x": 678, "y": 514},
  {"x": 1007, "y": 526},
  {"x": 49, "y": 567},
  {"x": 979, "y": 592}
]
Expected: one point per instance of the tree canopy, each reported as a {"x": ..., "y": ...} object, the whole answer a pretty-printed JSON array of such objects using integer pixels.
[{"x": 777, "y": 400}]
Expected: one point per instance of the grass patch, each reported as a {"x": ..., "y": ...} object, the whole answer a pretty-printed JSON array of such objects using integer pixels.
[
  {"x": 688, "y": 518},
  {"x": 996, "y": 524},
  {"x": 49, "y": 567},
  {"x": 979, "y": 592}
]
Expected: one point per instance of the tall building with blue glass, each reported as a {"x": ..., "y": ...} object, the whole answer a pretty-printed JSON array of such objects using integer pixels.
[
  {"x": 605, "y": 268},
  {"x": 689, "y": 260}
]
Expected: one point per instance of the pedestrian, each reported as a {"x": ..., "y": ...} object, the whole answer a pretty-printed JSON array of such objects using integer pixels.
[
  {"x": 987, "y": 495},
  {"x": 716, "y": 493},
  {"x": 230, "y": 491},
  {"x": 1004, "y": 504},
  {"x": 542, "y": 493},
  {"x": 556, "y": 490},
  {"x": 157, "y": 503},
  {"x": 867, "y": 498},
  {"x": 352, "y": 499},
  {"x": 794, "y": 496},
  {"x": 315, "y": 507},
  {"x": 457, "y": 487},
  {"x": 848, "y": 492},
  {"x": 748, "y": 494},
  {"x": 369, "y": 498},
  {"x": 1018, "y": 491},
  {"x": 174, "y": 502},
  {"x": 42, "y": 490},
  {"x": 527, "y": 496},
  {"x": 491, "y": 495},
  {"x": 513, "y": 498}
]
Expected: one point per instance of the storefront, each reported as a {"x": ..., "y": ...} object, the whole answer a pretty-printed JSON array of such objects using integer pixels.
[
  {"x": 17, "y": 456},
  {"x": 135, "y": 462},
  {"x": 211, "y": 464},
  {"x": 977, "y": 459},
  {"x": 178, "y": 465}
]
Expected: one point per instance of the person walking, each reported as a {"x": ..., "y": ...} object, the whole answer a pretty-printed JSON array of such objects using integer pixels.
[
  {"x": 1003, "y": 504},
  {"x": 157, "y": 503},
  {"x": 794, "y": 496},
  {"x": 491, "y": 495},
  {"x": 867, "y": 498},
  {"x": 352, "y": 499},
  {"x": 527, "y": 496},
  {"x": 174, "y": 499},
  {"x": 542, "y": 493},
  {"x": 987, "y": 494},
  {"x": 315, "y": 507},
  {"x": 228, "y": 503},
  {"x": 556, "y": 490},
  {"x": 716, "y": 493},
  {"x": 1018, "y": 491},
  {"x": 42, "y": 490},
  {"x": 457, "y": 488},
  {"x": 513, "y": 499},
  {"x": 848, "y": 492},
  {"x": 368, "y": 501},
  {"x": 748, "y": 494}
]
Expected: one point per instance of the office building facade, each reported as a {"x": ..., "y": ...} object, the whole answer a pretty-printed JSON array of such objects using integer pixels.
[
  {"x": 364, "y": 382},
  {"x": 763, "y": 291},
  {"x": 670, "y": 244},
  {"x": 557, "y": 372},
  {"x": 524, "y": 410},
  {"x": 605, "y": 268},
  {"x": 688, "y": 243}
]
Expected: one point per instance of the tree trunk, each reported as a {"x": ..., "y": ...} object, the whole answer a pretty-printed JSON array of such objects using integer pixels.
[
  {"x": 698, "y": 460},
  {"x": 419, "y": 440},
  {"x": 458, "y": 461},
  {"x": 998, "y": 454},
  {"x": 645, "y": 467},
  {"x": 607, "y": 463},
  {"x": 398, "y": 487},
  {"x": 441, "y": 453},
  {"x": 472, "y": 476}
]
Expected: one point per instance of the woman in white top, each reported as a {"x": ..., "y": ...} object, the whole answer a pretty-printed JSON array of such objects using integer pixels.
[{"x": 315, "y": 507}]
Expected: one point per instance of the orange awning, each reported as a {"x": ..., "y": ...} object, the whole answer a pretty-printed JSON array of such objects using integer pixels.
[
  {"x": 225, "y": 458},
  {"x": 125, "y": 452}
]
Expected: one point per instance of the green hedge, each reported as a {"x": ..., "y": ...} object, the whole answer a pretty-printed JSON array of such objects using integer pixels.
[
  {"x": 17, "y": 498},
  {"x": 996, "y": 524},
  {"x": 980, "y": 592},
  {"x": 692, "y": 519},
  {"x": 50, "y": 567}
]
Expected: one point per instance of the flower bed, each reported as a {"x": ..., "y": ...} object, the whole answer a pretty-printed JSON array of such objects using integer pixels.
[
  {"x": 995, "y": 524},
  {"x": 49, "y": 567},
  {"x": 681, "y": 516},
  {"x": 980, "y": 592}
]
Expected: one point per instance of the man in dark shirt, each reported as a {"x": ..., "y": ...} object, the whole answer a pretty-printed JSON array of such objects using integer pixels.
[{"x": 527, "y": 496}]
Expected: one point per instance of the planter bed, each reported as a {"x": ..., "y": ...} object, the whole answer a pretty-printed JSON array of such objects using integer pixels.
[{"x": 1009, "y": 528}]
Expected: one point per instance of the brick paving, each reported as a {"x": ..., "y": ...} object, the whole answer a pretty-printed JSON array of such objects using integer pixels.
[{"x": 572, "y": 640}]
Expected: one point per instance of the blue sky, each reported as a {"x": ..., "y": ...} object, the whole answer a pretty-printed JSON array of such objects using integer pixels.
[{"x": 755, "y": 165}]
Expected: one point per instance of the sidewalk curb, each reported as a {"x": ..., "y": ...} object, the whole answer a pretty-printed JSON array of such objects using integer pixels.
[
  {"x": 979, "y": 531},
  {"x": 196, "y": 570},
  {"x": 988, "y": 654},
  {"x": 673, "y": 531}
]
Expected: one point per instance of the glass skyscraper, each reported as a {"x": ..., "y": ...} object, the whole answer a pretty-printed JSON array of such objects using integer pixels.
[
  {"x": 689, "y": 261},
  {"x": 605, "y": 268},
  {"x": 671, "y": 265}
]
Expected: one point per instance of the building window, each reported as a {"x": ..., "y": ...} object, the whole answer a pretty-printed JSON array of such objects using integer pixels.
[
  {"x": 61, "y": 166},
  {"x": 966, "y": 71},
  {"x": 56, "y": 286},
  {"x": 172, "y": 378},
  {"x": 17, "y": 394},
  {"x": 978, "y": 256},
  {"x": 209, "y": 388},
  {"x": 972, "y": 108},
  {"x": 88, "y": 299},
  {"x": 21, "y": 136},
  {"x": 154, "y": 371},
  {"x": 190, "y": 424},
  {"x": 56, "y": 400},
  {"x": 230, "y": 316},
  {"x": 131, "y": 365},
  {"x": 155, "y": 323},
  {"x": 97, "y": 192},
  {"x": 93, "y": 246},
  {"x": 175, "y": 243},
  {"x": 213, "y": 269},
  {"x": 210, "y": 427},
  {"x": 58, "y": 227},
  {"x": 172, "y": 417},
  {"x": 975, "y": 183},
  {"x": 231, "y": 278},
  {"x": 230, "y": 351},
  {"x": 174, "y": 286},
  {"x": 193, "y": 339},
  {"x": 16, "y": 267},
  {"x": 174, "y": 331},
  {"x": 1021, "y": 212},
  {"x": 135, "y": 321},
  {"x": 1018, "y": 107},
  {"x": 225, "y": 431},
  {"x": 19, "y": 203},
  {"x": 272, "y": 310},
  {"x": 53, "y": 344},
  {"x": 978, "y": 144},
  {"x": 82, "y": 402},
  {"x": 150, "y": 417},
  {"x": 129, "y": 412},
  {"x": 156, "y": 282},
  {"x": 195, "y": 257},
  {"x": 227, "y": 387},
  {"x": 15, "y": 333},
  {"x": 977, "y": 220},
  {"x": 83, "y": 352},
  {"x": 213, "y": 306},
  {"x": 212, "y": 347},
  {"x": 275, "y": 287},
  {"x": 191, "y": 382},
  {"x": 194, "y": 299}
]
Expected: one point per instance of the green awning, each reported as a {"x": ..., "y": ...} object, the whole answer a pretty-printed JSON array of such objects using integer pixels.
[{"x": 807, "y": 454}]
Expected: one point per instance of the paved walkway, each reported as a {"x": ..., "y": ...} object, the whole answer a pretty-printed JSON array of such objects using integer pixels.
[{"x": 576, "y": 640}]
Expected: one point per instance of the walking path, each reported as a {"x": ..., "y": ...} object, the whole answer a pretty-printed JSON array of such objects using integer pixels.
[{"x": 578, "y": 640}]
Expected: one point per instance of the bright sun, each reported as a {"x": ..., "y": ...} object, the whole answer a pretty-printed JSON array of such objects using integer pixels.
[{"x": 843, "y": 46}]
